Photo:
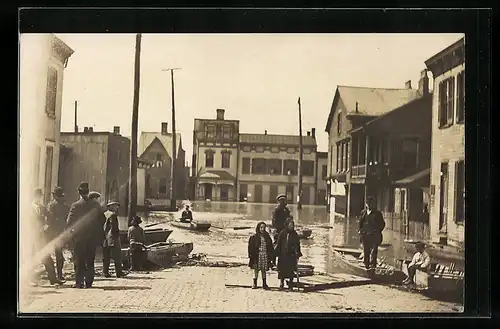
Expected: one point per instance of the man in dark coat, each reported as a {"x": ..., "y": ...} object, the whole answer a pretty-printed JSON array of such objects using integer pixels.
[
  {"x": 57, "y": 212},
  {"x": 111, "y": 247},
  {"x": 280, "y": 214},
  {"x": 43, "y": 236},
  {"x": 85, "y": 221},
  {"x": 371, "y": 225}
]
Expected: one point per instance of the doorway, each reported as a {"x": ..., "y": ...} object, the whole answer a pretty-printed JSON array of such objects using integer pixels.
[
  {"x": 208, "y": 191},
  {"x": 224, "y": 192},
  {"x": 273, "y": 193},
  {"x": 258, "y": 193},
  {"x": 289, "y": 194}
]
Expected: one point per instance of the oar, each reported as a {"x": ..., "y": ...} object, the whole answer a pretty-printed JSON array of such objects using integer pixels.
[{"x": 241, "y": 227}]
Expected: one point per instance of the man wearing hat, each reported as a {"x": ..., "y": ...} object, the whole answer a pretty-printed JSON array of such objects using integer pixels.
[
  {"x": 85, "y": 221},
  {"x": 57, "y": 212},
  {"x": 42, "y": 236},
  {"x": 280, "y": 215},
  {"x": 112, "y": 247},
  {"x": 371, "y": 225}
]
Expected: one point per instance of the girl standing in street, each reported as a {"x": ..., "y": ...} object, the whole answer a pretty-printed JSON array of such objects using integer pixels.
[
  {"x": 260, "y": 253},
  {"x": 288, "y": 252}
]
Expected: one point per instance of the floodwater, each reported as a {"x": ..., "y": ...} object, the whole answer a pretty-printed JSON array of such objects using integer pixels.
[{"x": 223, "y": 242}]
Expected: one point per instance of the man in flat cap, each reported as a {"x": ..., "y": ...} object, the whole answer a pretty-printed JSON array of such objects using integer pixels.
[
  {"x": 85, "y": 221},
  {"x": 371, "y": 225},
  {"x": 112, "y": 247},
  {"x": 57, "y": 212},
  {"x": 280, "y": 215}
]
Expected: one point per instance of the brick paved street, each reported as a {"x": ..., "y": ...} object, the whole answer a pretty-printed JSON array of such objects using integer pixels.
[{"x": 202, "y": 289}]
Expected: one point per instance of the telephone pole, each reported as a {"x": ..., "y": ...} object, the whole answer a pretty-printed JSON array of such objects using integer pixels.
[
  {"x": 173, "y": 203},
  {"x": 299, "y": 195},
  {"x": 132, "y": 191},
  {"x": 76, "y": 116}
]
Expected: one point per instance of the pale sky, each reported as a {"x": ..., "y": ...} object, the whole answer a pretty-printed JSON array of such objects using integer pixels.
[{"x": 256, "y": 78}]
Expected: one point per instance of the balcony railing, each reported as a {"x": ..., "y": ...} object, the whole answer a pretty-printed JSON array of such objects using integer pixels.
[
  {"x": 359, "y": 171},
  {"x": 379, "y": 170}
]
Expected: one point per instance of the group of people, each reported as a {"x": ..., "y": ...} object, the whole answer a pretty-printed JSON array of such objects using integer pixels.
[
  {"x": 83, "y": 227},
  {"x": 262, "y": 252}
]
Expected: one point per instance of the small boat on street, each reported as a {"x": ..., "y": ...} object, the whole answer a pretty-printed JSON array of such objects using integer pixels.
[
  {"x": 350, "y": 258},
  {"x": 200, "y": 226},
  {"x": 152, "y": 236},
  {"x": 164, "y": 254}
]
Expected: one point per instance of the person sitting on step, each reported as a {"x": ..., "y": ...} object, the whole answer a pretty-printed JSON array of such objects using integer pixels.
[{"x": 420, "y": 261}]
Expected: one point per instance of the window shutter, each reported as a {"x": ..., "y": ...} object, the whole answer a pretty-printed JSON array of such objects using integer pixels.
[
  {"x": 451, "y": 100},
  {"x": 441, "y": 96}
]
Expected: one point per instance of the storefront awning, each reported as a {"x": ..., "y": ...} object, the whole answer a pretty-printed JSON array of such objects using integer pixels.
[
  {"x": 217, "y": 177},
  {"x": 421, "y": 178}
]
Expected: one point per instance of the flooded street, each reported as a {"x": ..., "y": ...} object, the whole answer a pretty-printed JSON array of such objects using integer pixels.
[{"x": 223, "y": 242}]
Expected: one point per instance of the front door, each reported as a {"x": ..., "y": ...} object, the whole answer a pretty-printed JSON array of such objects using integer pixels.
[
  {"x": 224, "y": 192},
  {"x": 257, "y": 197},
  {"x": 273, "y": 193},
  {"x": 289, "y": 194},
  {"x": 321, "y": 197},
  {"x": 306, "y": 195},
  {"x": 208, "y": 191}
]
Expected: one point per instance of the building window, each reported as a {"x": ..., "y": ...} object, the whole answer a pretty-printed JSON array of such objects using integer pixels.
[
  {"x": 342, "y": 158},
  {"x": 274, "y": 166},
  {"x": 258, "y": 166},
  {"x": 307, "y": 150},
  {"x": 245, "y": 168},
  {"x": 460, "y": 97},
  {"x": 224, "y": 192},
  {"x": 308, "y": 168},
  {"x": 162, "y": 186},
  {"x": 291, "y": 150},
  {"x": 51, "y": 93},
  {"x": 339, "y": 123},
  {"x": 275, "y": 149},
  {"x": 446, "y": 102},
  {"x": 443, "y": 197},
  {"x": 226, "y": 133},
  {"x": 210, "y": 132},
  {"x": 331, "y": 160},
  {"x": 460, "y": 191},
  {"x": 290, "y": 166},
  {"x": 339, "y": 154},
  {"x": 209, "y": 159},
  {"x": 246, "y": 148},
  {"x": 324, "y": 170},
  {"x": 259, "y": 149},
  {"x": 243, "y": 192},
  {"x": 346, "y": 156},
  {"x": 226, "y": 160},
  {"x": 159, "y": 157},
  {"x": 409, "y": 153}
]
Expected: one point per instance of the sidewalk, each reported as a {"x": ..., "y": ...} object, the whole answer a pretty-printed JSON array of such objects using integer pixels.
[{"x": 202, "y": 289}]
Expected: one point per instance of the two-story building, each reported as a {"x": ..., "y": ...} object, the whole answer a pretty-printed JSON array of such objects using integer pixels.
[
  {"x": 215, "y": 158},
  {"x": 157, "y": 148},
  {"x": 352, "y": 107},
  {"x": 270, "y": 166},
  {"x": 100, "y": 158},
  {"x": 447, "y": 189}
]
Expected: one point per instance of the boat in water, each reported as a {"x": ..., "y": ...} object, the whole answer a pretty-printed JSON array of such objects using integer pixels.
[
  {"x": 164, "y": 254},
  {"x": 351, "y": 259},
  {"x": 152, "y": 236},
  {"x": 200, "y": 226}
]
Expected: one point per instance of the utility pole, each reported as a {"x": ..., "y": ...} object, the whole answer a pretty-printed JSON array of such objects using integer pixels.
[
  {"x": 173, "y": 203},
  {"x": 76, "y": 116},
  {"x": 132, "y": 191},
  {"x": 299, "y": 195}
]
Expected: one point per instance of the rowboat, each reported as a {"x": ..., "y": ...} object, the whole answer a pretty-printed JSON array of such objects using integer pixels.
[
  {"x": 200, "y": 226},
  {"x": 164, "y": 254},
  {"x": 152, "y": 236},
  {"x": 384, "y": 272}
]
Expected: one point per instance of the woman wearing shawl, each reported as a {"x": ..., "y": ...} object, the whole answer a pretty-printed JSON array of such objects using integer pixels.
[
  {"x": 288, "y": 252},
  {"x": 260, "y": 253}
]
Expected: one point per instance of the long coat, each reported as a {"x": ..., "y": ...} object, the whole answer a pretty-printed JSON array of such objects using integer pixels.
[
  {"x": 86, "y": 217},
  {"x": 371, "y": 226},
  {"x": 253, "y": 249},
  {"x": 279, "y": 216},
  {"x": 57, "y": 212},
  {"x": 288, "y": 252},
  {"x": 111, "y": 230}
]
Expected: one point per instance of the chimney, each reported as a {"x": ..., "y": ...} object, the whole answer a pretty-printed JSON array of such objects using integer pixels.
[
  {"x": 220, "y": 114},
  {"x": 313, "y": 132},
  {"x": 85, "y": 129},
  {"x": 265, "y": 132},
  {"x": 91, "y": 129},
  {"x": 423, "y": 83},
  {"x": 308, "y": 133},
  {"x": 408, "y": 84},
  {"x": 116, "y": 130},
  {"x": 164, "y": 128}
]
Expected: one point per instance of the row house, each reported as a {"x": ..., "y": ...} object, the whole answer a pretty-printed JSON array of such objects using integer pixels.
[
  {"x": 447, "y": 186},
  {"x": 352, "y": 108},
  {"x": 270, "y": 166},
  {"x": 215, "y": 158},
  {"x": 157, "y": 147},
  {"x": 100, "y": 158}
]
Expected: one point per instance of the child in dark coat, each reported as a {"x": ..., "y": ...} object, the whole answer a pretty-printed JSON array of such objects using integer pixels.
[{"x": 260, "y": 253}]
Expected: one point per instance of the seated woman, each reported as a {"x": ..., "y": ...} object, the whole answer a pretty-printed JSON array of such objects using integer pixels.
[
  {"x": 187, "y": 215},
  {"x": 260, "y": 253},
  {"x": 288, "y": 253},
  {"x": 137, "y": 238}
]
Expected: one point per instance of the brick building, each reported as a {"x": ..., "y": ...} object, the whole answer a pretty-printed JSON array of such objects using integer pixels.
[{"x": 447, "y": 190}]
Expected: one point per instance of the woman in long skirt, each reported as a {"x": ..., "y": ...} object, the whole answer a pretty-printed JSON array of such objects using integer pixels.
[
  {"x": 260, "y": 253},
  {"x": 288, "y": 253}
]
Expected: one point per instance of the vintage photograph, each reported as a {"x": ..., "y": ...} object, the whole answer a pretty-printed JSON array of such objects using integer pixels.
[{"x": 248, "y": 173}]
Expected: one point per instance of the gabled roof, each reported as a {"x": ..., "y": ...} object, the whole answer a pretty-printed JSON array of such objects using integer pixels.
[
  {"x": 166, "y": 140},
  {"x": 370, "y": 101},
  {"x": 276, "y": 139}
]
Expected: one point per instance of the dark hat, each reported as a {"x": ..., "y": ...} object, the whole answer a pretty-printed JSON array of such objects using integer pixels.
[
  {"x": 111, "y": 203},
  {"x": 94, "y": 195},
  {"x": 419, "y": 245},
  {"x": 136, "y": 220},
  {"x": 58, "y": 192},
  {"x": 281, "y": 197},
  {"x": 84, "y": 186}
]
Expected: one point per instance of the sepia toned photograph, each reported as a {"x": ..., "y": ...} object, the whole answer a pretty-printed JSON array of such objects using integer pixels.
[{"x": 241, "y": 173}]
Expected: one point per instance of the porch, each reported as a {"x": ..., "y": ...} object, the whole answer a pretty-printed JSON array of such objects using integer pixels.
[{"x": 216, "y": 185}]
